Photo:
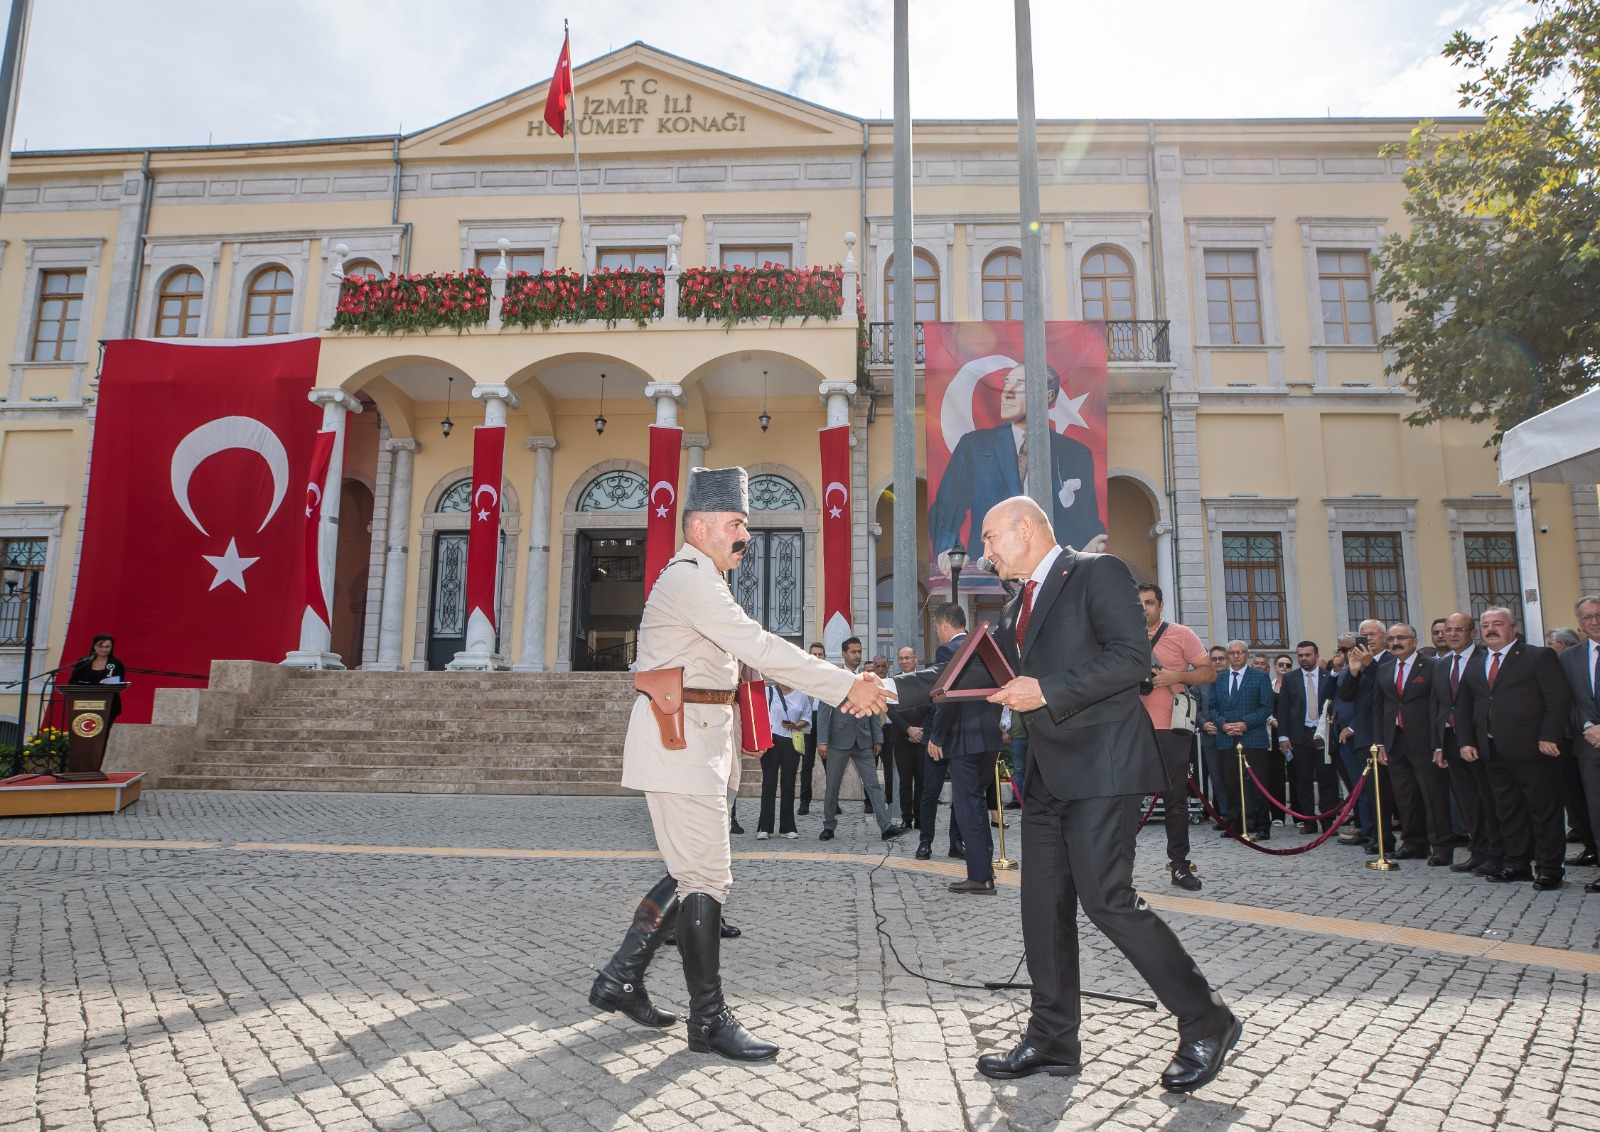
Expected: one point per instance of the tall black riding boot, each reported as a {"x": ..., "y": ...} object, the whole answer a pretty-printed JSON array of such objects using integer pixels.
[
  {"x": 712, "y": 1027},
  {"x": 620, "y": 984}
]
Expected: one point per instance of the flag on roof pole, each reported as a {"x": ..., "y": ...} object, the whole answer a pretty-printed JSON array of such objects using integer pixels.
[{"x": 555, "y": 103}]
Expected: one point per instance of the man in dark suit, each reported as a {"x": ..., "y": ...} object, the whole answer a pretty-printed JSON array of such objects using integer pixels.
[
  {"x": 987, "y": 466},
  {"x": 1402, "y": 723},
  {"x": 808, "y": 760},
  {"x": 1208, "y": 737},
  {"x": 965, "y": 734},
  {"x": 1514, "y": 707},
  {"x": 1075, "y": 633},
  {"x": 1302, "y": 699},
  {"x": 908, "y": 727},
  {"x": 1581, "y": 663},
  {"x": 1469, "y": 781},
  {"x": 1358, "y": 685},
  {"x": 1241, "y": 704}
]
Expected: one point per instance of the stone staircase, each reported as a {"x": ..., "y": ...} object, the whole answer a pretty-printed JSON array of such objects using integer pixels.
[{"x": 423, "y": 732}]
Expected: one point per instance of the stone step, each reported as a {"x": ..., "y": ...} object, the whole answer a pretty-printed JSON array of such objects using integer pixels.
[
  {"x": 600, "y": 762},
  {"x": 402, "y": 772},
  {"x": 469, "y": 748},
  {"x": 573, "y": 787},
  {"x": 416, "y": 712},
  {"x": 487, "y": 726}
]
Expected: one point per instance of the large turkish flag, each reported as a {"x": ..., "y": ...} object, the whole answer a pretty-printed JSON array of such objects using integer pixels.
[{"x": 192, "y": 546}]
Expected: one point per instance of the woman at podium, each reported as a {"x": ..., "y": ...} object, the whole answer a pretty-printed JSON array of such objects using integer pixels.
[{"x": 101, "y": 666}]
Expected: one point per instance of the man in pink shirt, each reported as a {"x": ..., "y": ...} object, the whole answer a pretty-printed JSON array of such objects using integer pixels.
[{"x": 1179, "y": 662}]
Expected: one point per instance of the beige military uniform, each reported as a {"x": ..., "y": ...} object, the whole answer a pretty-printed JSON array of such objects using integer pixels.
[{"x": 692, "y": 622}]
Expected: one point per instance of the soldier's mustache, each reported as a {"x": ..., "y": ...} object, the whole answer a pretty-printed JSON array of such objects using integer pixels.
[{"x": 739, "y": 545}]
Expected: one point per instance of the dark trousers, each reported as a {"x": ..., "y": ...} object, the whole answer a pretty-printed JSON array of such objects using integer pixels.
[
  {"x": 1527, "y": 796},
  {"x": 971, "y": 778},
  {"x": 908, "y": 760},
  {"x": 778, "y": 765},
  {"x": 1316, "y": 781},
  {"x": 1469, "y": 782},
  {"x": 1588, "y": 759},
  {"x": 1277, "y": 780},
  {"x": 934, "y": 772},
  {"x": 886, "y": 772},
  {"x": 1081, "y": 853},
  {"x": 1175, "y": 750},
  {"x": 1354, "y": 762},
  {"x": 1258, "y": 816},
  {"x": 808, "y": 765},
  {"x": 1214, "y": 780},
  {"x": 1421, "y": 794},
  {"x": 1576, "y": 796}
]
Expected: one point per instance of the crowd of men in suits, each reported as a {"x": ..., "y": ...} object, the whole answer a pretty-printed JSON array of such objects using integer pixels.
[{"x": 1479, "y": 737}]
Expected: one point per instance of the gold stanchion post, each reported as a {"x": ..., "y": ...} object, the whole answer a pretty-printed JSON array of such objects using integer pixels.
[
  {"x": 1382, "y": 864},
  {"x": 1244, "y": 818},
  {"x": 1004, "y": 863}
]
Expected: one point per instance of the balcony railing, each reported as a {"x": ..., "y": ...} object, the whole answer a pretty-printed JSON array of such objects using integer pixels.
[{"x": 1127, "y": 340}]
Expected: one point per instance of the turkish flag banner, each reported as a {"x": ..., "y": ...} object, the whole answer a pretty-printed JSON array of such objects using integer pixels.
[
  {"x": 977, "y": 425},
  {"x": 555, "y": 102},
  {"x": 189, "y": 553},
  {"x": 835, "y": 536},
  {"x": 661, "y": 525},
  {"x": 316, "y": 482},
  {"x": 483, "y": 537}
]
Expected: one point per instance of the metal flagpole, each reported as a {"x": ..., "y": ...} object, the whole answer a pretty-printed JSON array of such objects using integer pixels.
[
  {"x": 1037, "y": 431},
  {"x": 907, "y": 625},
  {"x": 11, "y": 81},
  {"x": 577, "y": 170}
]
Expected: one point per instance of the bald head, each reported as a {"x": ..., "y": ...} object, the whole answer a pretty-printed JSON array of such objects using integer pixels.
[{"x": 1017, "y": 536}]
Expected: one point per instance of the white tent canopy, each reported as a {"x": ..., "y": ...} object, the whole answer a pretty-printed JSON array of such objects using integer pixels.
[{"x": 1560, "y": 445}]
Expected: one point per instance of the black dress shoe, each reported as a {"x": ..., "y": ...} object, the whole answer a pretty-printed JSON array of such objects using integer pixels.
[
  {"x": 1197, "y": 1063},
  {"x": 728, "y": 931},
  {"x": 1184, "y": 878},
  {"x": 1574, "y": 837},
  {"x": 958, "y": 851},
  {"x": 923, "y": 852},
  {"x": 1546, "y": 882},
  {"x": 805, "y": 808},
  {"x": 735, "y": 827},
  {"x": 972, "y": 887},
  {"x": 825, "y": 835},
  {"x": 1439, "y": 860},
  {"x": 1411, "y": 853},
  {"x": 1306, "y": 827},
  {"x": 1025, "y": 1061},
  {"x": 1470, "y": 865},
  {"x": 1583, "y": 859},
  {"x": 1489, "y": 868},
  {"x": 1509, "y": 874},
  {"x": 1592, "y": 887},
  {"x": 893, "y": 832}
]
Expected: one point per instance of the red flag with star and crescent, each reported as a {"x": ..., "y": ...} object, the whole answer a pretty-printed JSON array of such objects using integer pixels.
[
  {"x": 835, "y": 445},
  {"x": 316, "y": 485},
  {"x": 192, "y": 537},
  {"x": 483, "y": 537},
  {"x": 555, "y": 102},
  {"x": 661, "y": 522}
]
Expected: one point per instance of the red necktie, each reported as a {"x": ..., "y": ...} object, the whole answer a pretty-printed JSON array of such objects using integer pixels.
[
  {"x": 1399, "y": 689},
  {"x": 1494, "y": 668},
  {"x": 1025, "y": 612}
]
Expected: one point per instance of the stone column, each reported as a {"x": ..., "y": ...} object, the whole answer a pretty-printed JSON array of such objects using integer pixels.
[
  {"x": 480, "y": 654},
  {"x": 316, "y": 636},
  {"x": 535, "y": 601},
  {"x": 1586, "y": 530},
  {"x": 696, "y": 446},
  {"x": 392, "y": 619},
  {"x": 668, "y": 397}
]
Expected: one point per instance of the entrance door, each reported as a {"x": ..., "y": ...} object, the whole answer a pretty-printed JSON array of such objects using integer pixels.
[
  {"x": 770, "y": 583},
  {"x": 608, "y": 599},
  {"x": 447, "y": 612}
]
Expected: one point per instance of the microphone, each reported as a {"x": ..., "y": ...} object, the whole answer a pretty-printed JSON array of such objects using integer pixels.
[{"x": 986, "y": 565}]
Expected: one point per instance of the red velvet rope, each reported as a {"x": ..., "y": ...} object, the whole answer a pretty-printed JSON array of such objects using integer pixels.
[
  {"x": 1301, "y": 817},
  {"x": 1148, "y": 810},
  {"x": 1349, "y": 804}
]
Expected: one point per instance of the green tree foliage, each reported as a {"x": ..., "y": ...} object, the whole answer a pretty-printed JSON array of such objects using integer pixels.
[{"x": 1500, "y": 272}]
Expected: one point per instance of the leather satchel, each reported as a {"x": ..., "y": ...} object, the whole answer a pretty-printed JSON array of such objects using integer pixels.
[{"x": 664, "y": 687}]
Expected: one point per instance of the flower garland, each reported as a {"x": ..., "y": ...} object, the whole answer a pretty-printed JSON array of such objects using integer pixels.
[
  {"x": 731, "y": 295},
  {"x": 863, "y": 334},
  {"x": 613, "y": 297},
  {"x": 409, "y": 304}
]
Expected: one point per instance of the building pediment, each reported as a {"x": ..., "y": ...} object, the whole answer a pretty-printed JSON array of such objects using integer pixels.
[{"x": 641, "y": 100}]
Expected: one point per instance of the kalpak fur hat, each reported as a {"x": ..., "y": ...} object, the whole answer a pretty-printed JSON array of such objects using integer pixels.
[{"x": 718, "y": 489}]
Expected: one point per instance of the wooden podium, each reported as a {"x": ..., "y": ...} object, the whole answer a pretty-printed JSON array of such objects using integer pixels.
[{"x": 89, "y": 711}]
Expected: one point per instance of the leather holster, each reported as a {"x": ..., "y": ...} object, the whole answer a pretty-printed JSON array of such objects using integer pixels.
[{"x": 664, "y": 687}]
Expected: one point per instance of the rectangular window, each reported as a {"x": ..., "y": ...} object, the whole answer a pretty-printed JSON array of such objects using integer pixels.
[
  {"x": 769, "y": 583},
  {"x": 632, "y": 259},
  {"x": 1347, "y": 312},
  {"x": 55, "y": 329},
  {"x": 1372, "y": 579},
  {"x": 1492, "y": 574},
  {"x": 763, "y": 255},
  {"x": 1252, "y": 574},
  {"x": 517, "y": 259},
  {"x": 1233, "y": 298},
  {"x": 26, "y": 555}
]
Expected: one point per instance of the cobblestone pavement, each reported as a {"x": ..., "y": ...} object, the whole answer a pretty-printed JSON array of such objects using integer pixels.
[{"x": 240, "y": 962}]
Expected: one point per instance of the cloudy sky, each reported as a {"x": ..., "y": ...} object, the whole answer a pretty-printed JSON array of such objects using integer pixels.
[{"x": 179, "y": 72}]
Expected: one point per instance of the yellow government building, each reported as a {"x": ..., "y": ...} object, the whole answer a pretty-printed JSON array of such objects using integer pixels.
[{"x": 1260, "y": 464}]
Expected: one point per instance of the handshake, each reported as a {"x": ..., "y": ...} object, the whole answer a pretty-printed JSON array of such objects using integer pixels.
[{"x": 868, "y": 695}]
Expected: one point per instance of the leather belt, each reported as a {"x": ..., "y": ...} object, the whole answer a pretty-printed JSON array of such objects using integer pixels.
[{"x": 724, "y": 698}]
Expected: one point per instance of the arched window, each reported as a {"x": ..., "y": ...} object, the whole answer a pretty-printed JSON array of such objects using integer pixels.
[
  {"x": 614, "y": 491},
  {"x": 925, "y": 285},
  {"x": 178, "y": 310},
  {"x": 363, "y": 268},
  {"x": 774, "y": 493},
  {"x": 267, "y": 302},
  {"x": 1107, "y": 286},
  {"x": 457, "y": 498},
  {"x": 1002, "y": 287}
]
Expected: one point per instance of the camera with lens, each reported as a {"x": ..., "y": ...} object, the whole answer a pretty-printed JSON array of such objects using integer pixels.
[{"x": 1147, "y": 685}]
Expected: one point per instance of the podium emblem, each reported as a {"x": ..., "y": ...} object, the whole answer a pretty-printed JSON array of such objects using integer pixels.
[{"x": 87, "y": 726}]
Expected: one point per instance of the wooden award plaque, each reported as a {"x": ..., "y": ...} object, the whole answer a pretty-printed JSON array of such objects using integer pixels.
[{"x": 980, "y": 646}]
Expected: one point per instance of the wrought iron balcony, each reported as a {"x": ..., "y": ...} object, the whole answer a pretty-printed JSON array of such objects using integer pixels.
[{"x": 1127, "y": 340}]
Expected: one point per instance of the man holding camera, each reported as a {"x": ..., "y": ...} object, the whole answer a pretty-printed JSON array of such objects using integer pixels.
[{"x": 1179, "y": 662}]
